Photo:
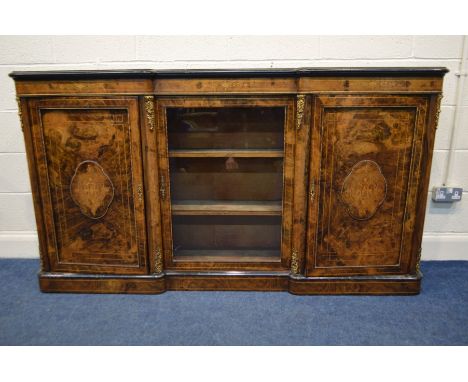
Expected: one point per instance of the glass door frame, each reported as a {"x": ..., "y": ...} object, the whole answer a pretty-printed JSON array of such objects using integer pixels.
[{"x": 288, "y": 103}]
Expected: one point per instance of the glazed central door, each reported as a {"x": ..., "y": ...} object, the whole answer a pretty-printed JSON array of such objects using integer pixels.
[{"x": 224, "y": 183}]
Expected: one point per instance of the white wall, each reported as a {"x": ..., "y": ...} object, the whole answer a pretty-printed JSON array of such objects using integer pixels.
[{"x": 446, "y": 228}]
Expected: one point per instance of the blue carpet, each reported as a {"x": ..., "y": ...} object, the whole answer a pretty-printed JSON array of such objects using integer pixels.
[{"x": 438, "y": 316}]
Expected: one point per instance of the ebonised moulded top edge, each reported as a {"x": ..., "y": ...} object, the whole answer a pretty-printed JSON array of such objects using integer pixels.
[{"x": 223, "y": 73}]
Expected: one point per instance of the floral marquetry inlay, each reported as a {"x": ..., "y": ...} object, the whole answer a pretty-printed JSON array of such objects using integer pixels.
[
  {"x": 91, "y": 189},
  {"x": 364, "y": 190}
]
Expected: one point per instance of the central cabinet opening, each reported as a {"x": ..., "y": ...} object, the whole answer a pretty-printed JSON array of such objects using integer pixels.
[{"x": 226, "y": 166}]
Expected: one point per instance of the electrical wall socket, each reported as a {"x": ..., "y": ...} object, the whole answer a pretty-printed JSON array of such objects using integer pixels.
[{"x": 447, "y": 194}]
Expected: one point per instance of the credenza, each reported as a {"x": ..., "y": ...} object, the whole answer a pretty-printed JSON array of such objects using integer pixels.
[{"x": 310, "y": 180}]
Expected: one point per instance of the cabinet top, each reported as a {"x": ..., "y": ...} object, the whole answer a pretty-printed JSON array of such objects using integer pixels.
[{"x": 213, "y": 73}]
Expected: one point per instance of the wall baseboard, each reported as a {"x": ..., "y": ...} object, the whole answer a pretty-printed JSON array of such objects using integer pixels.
[
  {"x": 14, "y": 244},
  {"x": 436, "y": 246},
  {"x": 445, "y": 246}
]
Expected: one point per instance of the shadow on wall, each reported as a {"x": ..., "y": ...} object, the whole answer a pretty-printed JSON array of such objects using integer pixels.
[{"x": 442, "y": 208}]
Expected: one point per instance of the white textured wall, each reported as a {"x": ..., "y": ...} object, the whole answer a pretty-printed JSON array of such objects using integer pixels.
[{"x": 446, "y": 228}]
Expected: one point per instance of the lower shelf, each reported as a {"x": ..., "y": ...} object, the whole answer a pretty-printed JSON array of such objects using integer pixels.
[{"x": 228, "y": 255}]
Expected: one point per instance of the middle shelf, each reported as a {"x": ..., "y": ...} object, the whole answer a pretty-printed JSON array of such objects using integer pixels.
[
  {"x": 226, "y": 153},
  {"x": 215, "y": 207}
]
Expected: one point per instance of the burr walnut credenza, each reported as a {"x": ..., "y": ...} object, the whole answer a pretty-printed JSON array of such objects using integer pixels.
[{"x": 312, "y": 181}]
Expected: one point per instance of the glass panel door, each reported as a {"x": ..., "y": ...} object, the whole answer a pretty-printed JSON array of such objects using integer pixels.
[{"x": 226, "y": 171}]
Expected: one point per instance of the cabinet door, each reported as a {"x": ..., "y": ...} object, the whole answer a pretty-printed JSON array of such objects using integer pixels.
[
  {"x": 365, "y": 172},
  {"x": 88, "y": 160},
  {"x": 226, "y": 169}
]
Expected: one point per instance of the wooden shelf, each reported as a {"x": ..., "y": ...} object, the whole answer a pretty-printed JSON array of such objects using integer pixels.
[
  {"x": 223, "y": 153},
  {"x": 208, "y": 207},
  {"x": 228, "y": 256}
]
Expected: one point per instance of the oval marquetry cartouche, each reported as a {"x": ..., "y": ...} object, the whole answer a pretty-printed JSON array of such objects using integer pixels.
[
  {"x": 364, "y": 190},
  {"x": 91, "y": 189}
]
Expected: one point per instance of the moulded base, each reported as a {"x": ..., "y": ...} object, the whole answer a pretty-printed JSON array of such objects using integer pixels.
[{"x": 227, "y": 281}]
